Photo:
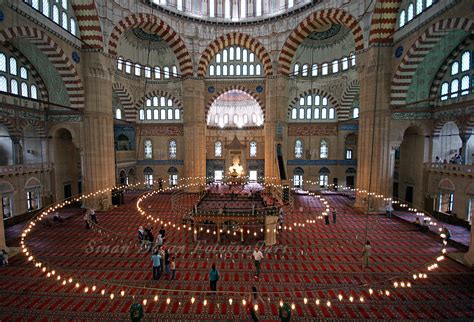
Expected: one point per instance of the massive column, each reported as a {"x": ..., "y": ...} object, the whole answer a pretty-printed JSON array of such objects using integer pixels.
[
  {"x": 194, "y": 130},
  {"x": 98, "y": 129},
  {"x": 375, "y": 156},
  {"x": 276, "y": 122}
]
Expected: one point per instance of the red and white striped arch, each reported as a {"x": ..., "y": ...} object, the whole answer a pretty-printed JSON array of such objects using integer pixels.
[
  {"x": 235, "y": 39},
  {"x": 154, "y": 25},
  {"x": 348, "y": 97},
  {"x": 312, "y": 23},
  {"x": 384, "y": 21},
  {"x": 56, "y": 56},
  {"x": 427, "y": 41},
  {"x": 88, "y": 23}
]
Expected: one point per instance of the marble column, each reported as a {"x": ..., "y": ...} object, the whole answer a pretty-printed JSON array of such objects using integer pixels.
[
  {"x": 276, "y": 122},
  {"x": 17, "y": 152},
  {"x": 194, "y": 130},
  {"x": 270, "y": 230},
  {"x": 374, "y": 157},
  {"x": 465, "y": 147},
  {"x": 469, "y": 256},
  {"x": 98, "y": 129}
]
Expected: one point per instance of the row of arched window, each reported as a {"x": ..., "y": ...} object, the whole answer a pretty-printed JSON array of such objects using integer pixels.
[
  {"x": 59, "y": 11},
  {"x": 15, "y": 79},
  {"x": 313, "y": 108},
  {"x": 159, "y": 114},
  {"x": 334, "y": 67},
  {"x": 218, "y": 149},
  {"x": 413, "y": 9},
  {"x": 148, "y": 149},
  {"x": 458, "y": 82},
  {"x": 323, "y": 149},
  {"x": 236, "y": 120},
  {"x": 235, "y": 61},
  {"x": 148, "y": 174},
  {"x": 230, "y": 9},
  {"x": 157, "y": 72}
]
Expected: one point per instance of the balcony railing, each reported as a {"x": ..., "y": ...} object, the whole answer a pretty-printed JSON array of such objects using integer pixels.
[
  {"x": 24, "y": 168},
  {"x": 450, "y": 168}
]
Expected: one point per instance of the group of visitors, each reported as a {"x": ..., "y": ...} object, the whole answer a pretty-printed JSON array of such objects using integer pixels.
[
  {"x": 90, "y": 217},
  {"x": 455, "y": 159},
  {"x": 421, "y": 225},
  {"x": 162, "y": 261},
  {"x": 4, "y": 257}
]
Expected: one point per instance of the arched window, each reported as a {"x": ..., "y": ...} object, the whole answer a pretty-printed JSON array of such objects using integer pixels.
[
  {"x": 401, "y": 19},
  {"x": 465, "y": 85},
  {"x": 323, "y": 149},
  {"x": 147, "y": 72},
  {"x": 218, "y": 149},
  {"x": 142, "y": 114},
  {"x": 352, "y": 56},
  {"x": 294, "y": 113},
  {"x": 170, "y": 114},
  {"x": 296, "y": 69},
  {"x": 175, "y": 71},
  {"x": 177, "y": 113},
  {"x": 316, "y": 113},
  {"x": 166, "y": 72},
  {"x": 465, "y": 61},
  {"x": 444, "y": 91},
  {"x": 156, "y": 114},
  {"x": 13, "y": 66},
  {"x": 335, "y": 66},
  {"x": 35, "y": 4},
  {"x": 157, "y": 72},
  {"x": 355, "y": 112},
  {"x": 410, "y": 12},
  {"x": 72, "y": 26},
  {"x": 454, "y": 68},
  {"x": 304, "y": 70},
  {"x": 454, "y": 88},
  {"x": 345, "y": 63},
  {"x": 3, "y": 84},
  {"x": 419, "y": 6},
  {"x": 138, "y": 69},
  {"x": 55, "y": 14},
  {"x": 298, "y": 149},
  {"x": 118, "y": 114},
  {"x": 148, "y": 114},
  {"x": 23, "y": 73},
  {"x": 324, "y": 113},
  {"x": 120, "y": 63},
  {"x": 298, "y": 177},
  {"x": 253, "y": 149},
  {"x": 64, "y": 21},
  {"x": 33, "y": 92},
  {"x": 45, "y": 8},
  {"x": 332, "y": 113},
  {"x": 128, "y": 67},
  {"x": 172, "y": 149},
  {"x": 324, "y": 69},
  {"x": 314, "y": 70},
  {"x": 148, "y": 149},
  {"x": 3, "y": 62},
  {"x": 211, "y": 70},
  {"x": 148, "y": 173},
  {"x": 14, "y": 86},
  {"x": 24, "y": 89}
]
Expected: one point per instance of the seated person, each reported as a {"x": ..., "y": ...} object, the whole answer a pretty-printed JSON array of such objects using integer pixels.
[
  {"x": 57, "y": 218},
  {"x": 417, "y": 223}
]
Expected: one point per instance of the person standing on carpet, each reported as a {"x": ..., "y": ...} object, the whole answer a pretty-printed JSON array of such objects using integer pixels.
[
  {"x": 334, "y": 214},
  {"x": 173, "y": 268},
  {"x": 326, "y": 218},
  {"x": 93, "y": 215},
  {"x": 213, "y": 278},
  {"x": 389, "y": 210},
  {"x": 87, "y": 218},
  {"x": 156, "y": 260},
  {"x": 162, "y": 232},
  {"x": 161, "y": 252},
  {"x": 257, "y": 256},
  {"x": 254, "y": 300},
  {"x": 167, "y": 263},
  {"x": 366, "y": 254}
]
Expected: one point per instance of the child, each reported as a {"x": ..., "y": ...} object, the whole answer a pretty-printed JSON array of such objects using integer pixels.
[{"x": 173, "y": 268}]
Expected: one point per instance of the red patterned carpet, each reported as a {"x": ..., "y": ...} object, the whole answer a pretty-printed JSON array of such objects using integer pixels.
[{"x": 315, "y": 262}]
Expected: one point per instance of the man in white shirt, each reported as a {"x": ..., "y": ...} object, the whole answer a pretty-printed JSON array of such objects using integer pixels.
[{"x": 257, "y": 256}]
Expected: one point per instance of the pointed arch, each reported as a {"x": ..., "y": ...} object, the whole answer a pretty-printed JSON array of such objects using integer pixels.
[
  {"x": 126, "y": 101},
  {"x": 238, "y": 87},
  {"x": 384, "y": 21},
  {"x": 348, "y": 97},
  {"x": 315, "y": 91},
  {"x": 158, "y": 92},
  {"x": 444, "y": 67},
  {"x": 238, "y": 39},
  {"x": 313, "y": 22},
  {"x": 88, "y": 23},
  {"x": 415, "y": 55},
  {"x": 56, "y": 56},
  {"x": 154, "y": 25},
  {"x": 42, "y": 90},
  {"x": 39, "y": 126}
]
